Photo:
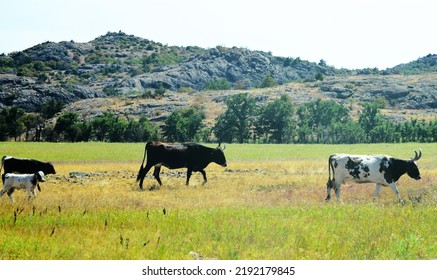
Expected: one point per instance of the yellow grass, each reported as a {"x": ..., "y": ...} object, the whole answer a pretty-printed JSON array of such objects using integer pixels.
[{"x": 254, "y": 209}]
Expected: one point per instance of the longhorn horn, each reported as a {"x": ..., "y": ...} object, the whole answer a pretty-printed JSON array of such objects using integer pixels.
[
  {"x": 417, "y": 156},
  {"x": 219, "y": 146}
]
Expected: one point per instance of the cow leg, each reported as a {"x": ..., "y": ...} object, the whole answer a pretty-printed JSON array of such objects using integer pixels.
[
  {"x": 10, "y": 192},
  {"x": 189, "y": 172},
  {"x": 396, "y": 191},
  {"x": 34, "y": 192},
  {"x": 329, "y": 186},
  {"x": 377, "y": 190},
  {"x": 142, "y": 174},
  {"x": 7, "y": 190},
  {"x": 337, "y": 190},
  {"x": 204, "y": 176},
  {"x": 29, "y": 194},
  {"x": 156, "y": 174}
]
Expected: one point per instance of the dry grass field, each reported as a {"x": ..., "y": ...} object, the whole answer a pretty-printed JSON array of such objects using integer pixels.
[{"x": 267, "y": 204}]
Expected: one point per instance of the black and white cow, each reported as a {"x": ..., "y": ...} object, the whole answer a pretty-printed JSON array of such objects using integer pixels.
[
  {"x": 382, "y": 170},
  {"x": 28, "y": 182},
  {"x": 25, "y": 166}
]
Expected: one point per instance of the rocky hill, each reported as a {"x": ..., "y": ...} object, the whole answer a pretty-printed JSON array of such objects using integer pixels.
[{"x": 127, "y": 74}]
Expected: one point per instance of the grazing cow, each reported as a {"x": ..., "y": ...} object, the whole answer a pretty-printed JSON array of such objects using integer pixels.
[
  {"x": 27, "y": 182},
  {"x": 382, "y": 170},
  {"x": 25, "y": 166},
  {"x": 192, "y": 156}
]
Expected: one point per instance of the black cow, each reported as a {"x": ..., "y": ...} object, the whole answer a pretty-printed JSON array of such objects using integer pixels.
[
  {"x": 25, "y": 166},
  {"x": 194, "y": 157}
]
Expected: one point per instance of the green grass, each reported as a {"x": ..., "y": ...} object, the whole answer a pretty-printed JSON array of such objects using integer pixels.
[
  {"x": 74, "y": 152},
  {"x": 268, "y": 204},
  {"x": 96, "y": 151},
  {"x": 327, "y": 232}
]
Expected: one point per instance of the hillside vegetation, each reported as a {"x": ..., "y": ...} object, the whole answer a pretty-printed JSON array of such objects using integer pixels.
[{"x": 133, "y": 77}]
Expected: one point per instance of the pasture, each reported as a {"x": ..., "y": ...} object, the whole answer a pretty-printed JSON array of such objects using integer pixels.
[{"x": 267, "y": 204}]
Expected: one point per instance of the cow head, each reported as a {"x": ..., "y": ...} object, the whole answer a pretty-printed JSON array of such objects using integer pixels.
[
  {"x": 40, "y": 176},
  {"x": 412, "y": 169},
  {"x": 218, "y": 156},
  {"x": 49, "y": 168}
]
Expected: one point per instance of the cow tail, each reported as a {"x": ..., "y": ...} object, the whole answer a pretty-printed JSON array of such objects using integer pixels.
[
  {"x": 142, "y": 164},
  {"x": 330, "y": 167},
  {"x": 145, "y": 152},
  {"x": 3, "y": 161}
]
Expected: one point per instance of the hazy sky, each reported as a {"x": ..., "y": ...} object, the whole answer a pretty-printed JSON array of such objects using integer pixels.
[{"x": 345, "y": 33}]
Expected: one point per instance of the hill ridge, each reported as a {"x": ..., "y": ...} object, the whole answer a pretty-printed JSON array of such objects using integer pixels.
[{"x": 117, "y": 64}]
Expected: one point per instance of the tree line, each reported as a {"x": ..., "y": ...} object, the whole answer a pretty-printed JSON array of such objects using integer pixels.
[
  {"x": 244, "y": 121},
  {"x": 326, "y": 122}
]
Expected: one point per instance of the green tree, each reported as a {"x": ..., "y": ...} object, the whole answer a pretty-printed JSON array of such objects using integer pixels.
[
  {"x": 103, "y": 126},
  {"x": 85, "y": 131},
  {"x": 268, "y": 81},
  {"x": 141, "y": 131},
  {"x": 31, "y": 121},
  {"x": 183, "y": 125},
  {"x": 238, "y": 119},
  {"x": 3, "y": 127},
  {"x": 67, "y": 126},
  {"x": 219, "y": 84},
  {"x": 275, "y": 120},
  {"x": 369, "y": 119},
  {"x": 317, "y": 118},
  {"x": 50, "y": 108},
  {"x": 117, "y": 130},
  {"x": 348, "y": 132},
  {"x": 12, "y": 119}
]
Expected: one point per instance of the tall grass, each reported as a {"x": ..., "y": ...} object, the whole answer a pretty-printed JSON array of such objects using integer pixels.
[{"x": 267, "y": 204}]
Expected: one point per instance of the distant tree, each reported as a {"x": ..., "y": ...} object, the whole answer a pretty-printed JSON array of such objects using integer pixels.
[
  {"x": 268, "y": 81},
  {"x": 369, "y": 119},
  {"x": 85, "y": 131},
  {"x": 104, "y": 125},
  {"x": 50, "y": 108},
  {"x": 13, "y": 121},
  {"x": 275, "y": 120},
  {"x": 3, "y": 127},
  {"x": 322, "y": 63},
  {"x": 296, "y": 61},
  {"x": 219, "y": 84},
  {"x": 348, "y": 132},
  {"x": 319, "y": 76},
  {"x": 141, "y": 131},
  {"x": 66, "y": 127},
  {"x": 238, "y": 119},
  {"x": 183, "y": 125},
  {"x": 317, "y": 117},
  {"x": 117, "y": 129},
  {"x": 31, "y": 121},
  {"x": 288, "y": 61}
]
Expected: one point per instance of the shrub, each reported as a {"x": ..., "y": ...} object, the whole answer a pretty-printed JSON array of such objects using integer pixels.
[
  {"x": 319, "y": 77},
  {"x": 219, "y": 84},
  {"x": 268, "y": 81}
]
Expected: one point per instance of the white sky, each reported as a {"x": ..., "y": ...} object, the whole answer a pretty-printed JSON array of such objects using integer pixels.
[{"x": 345, "y": 33}]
